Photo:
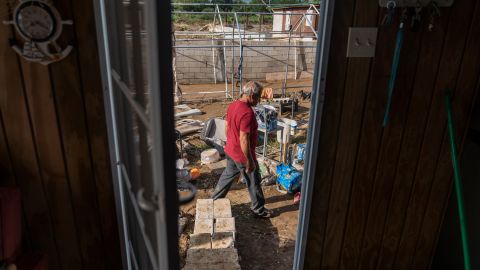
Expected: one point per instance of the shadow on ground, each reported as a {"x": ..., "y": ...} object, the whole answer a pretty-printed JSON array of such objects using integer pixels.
[{"x": 263, "y": 243}]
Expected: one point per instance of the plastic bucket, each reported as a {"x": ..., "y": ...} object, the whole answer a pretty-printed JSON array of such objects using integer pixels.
[{"x": 210, "y": 156}]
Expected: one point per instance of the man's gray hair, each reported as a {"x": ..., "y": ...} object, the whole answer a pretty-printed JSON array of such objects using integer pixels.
[{"x": 252, "y": 88}]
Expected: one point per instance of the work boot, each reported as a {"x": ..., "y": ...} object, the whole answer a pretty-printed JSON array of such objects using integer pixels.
[{"x": 264, "y": 213}]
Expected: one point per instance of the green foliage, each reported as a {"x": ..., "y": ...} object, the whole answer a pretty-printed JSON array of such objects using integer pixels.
[{"x": 205, "y": 18}]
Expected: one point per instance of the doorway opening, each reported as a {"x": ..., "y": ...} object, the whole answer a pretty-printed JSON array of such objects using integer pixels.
[{"x": 170, "y": 73}]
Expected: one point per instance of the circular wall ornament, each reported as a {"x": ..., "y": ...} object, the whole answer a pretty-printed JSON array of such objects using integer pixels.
[{"x": 39, "y": 24}]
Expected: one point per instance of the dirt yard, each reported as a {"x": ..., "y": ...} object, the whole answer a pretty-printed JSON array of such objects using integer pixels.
[{"x": 262, "y": 243}]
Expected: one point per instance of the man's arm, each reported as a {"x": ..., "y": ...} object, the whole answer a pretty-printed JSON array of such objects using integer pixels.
[
  {"x": 226, "y": 128},
  {"x": 245, "y": 145}
]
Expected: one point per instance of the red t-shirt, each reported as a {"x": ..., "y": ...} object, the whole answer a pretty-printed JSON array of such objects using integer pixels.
[{"x": 240, "y": 117}]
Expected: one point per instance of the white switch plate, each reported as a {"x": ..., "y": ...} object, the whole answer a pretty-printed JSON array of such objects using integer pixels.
[
  {"x": 362, "y": 41},
  {"x": 414, "y": 3}
]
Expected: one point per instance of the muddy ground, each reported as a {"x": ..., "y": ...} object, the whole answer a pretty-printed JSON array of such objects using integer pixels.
[{"x": 262, "y": 243}]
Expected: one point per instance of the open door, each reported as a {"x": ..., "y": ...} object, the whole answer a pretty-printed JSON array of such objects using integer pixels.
[{"x": 137, "y": 79}]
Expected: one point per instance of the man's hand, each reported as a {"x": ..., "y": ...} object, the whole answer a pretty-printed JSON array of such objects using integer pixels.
[
  {"x": 250, "y": 166},
  {"x": 245, "y": 145}
]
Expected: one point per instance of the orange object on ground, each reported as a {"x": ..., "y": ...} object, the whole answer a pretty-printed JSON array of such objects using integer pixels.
[{"x": 194, "y": 173}]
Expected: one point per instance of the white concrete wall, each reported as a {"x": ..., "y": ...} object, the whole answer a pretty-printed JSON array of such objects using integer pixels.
[{"x": 259, "y": 63}]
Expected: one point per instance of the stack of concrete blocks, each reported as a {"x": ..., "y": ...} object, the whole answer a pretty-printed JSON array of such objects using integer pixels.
[
  {"x": 196, "y": 66},
  {"x": 212, "y": 244}
]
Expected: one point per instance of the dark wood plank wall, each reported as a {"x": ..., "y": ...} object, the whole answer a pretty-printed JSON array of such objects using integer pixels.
[
  {"x": 381, "y": 193},
  {"x": 53, "y": 145}
]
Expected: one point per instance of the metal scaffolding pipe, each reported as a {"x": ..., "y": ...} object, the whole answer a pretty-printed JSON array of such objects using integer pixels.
[
  {"x": 243, "y": 35},
  {"x": 286, "y": 65},
  {"x": 237, "y": 4},
  {"x": 240, "y": 65},
  {"x": 236, "y": 46},
  {"x": 205, "y": 92},
  {"x": 240, "y": 12},
  {"x": 203, "y": 33},
  {"x": 296, "y": 57},
  {"x": 224, "y": 53},
  {"x": 213, "y": 52},
  {"x": 245, "y": 38},
  {"x": 233, "y": 63}
]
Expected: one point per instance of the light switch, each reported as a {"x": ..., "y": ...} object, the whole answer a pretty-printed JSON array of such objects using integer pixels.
[{"x": 362, "y": 41}]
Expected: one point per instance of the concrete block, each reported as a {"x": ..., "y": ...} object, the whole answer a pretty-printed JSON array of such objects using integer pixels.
[
  {"x": 225, "y": 225},
  {"x": 217, "y": 165},
  {"x": 207, "y": 70},
  {"x": 278, "y": 76},
  {"x": 257, "y": 70},
  {"x": 306, "y": 75},
  {"x": 199, "y": 75},
  {"x": 204, "y": 209},
  {"x": 212, "y": 256},
  {"x": 223, "y": 240},
  {"x": 262, "y": 64},
  {"x": 194, "y": 69},
  {"x": 200, "y": 240},
  {"x": 196, "y": 65},
  {"x": 222, "y": 208},
  {"x": 220, "y": 266},
  {"x": 203, "y": 225}
]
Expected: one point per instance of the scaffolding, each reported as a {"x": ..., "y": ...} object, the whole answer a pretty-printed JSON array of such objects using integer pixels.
[{"x": 221, "y": 36}]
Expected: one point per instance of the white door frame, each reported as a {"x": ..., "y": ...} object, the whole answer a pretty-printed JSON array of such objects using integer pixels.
[
  {"x": 158, "y": 13},
  {"x": 325, "y": 22},
  {"x": 149, "y": 222}
]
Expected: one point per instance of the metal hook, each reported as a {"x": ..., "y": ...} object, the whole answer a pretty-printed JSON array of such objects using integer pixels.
[
  {"x": 434, "y": 14},
  {"x": 392, "y": 3},
  {"x": 388, "y": 19}
]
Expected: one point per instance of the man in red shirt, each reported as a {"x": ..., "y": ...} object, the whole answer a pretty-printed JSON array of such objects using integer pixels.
[{"x": 242, "y": 135}]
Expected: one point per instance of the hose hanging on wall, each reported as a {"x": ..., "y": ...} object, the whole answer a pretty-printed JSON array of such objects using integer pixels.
[
  {"x": 458, "y": 184},
  {"x": 396, "y": 60}
]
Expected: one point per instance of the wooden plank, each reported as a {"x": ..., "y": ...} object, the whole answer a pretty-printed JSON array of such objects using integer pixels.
[
  {"x": 464, "y": 99},
  {"x": 71, "y": 111},
  {"x": 23, "y": 153},
  {"x": 369, "y": 148},
  {"x": 349, "y": 133},
  {"x": 335, "y": 84},
  {"x": 74, "y": 135},
  {"x": 47, "y": 137},
  {"x": 390, "y": 151},
  {"x": 461, "y": 14},
  {"x": 430, "y": 54},
  {"x": 92, "y": 88},
  {"x": 7, "y": 175}
]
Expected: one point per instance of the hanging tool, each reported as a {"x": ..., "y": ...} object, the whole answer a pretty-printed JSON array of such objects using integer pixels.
[
  {"x": 434, "y": 14},
  {"x": 458, "y": 184},
  {"x": 416, "y": 13},
  {"x": 389, "y": 16},
  {"x": 396, "y": 60}
]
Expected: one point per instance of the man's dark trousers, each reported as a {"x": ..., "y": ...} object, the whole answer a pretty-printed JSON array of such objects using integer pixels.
[{"x": 252, "y": 179}]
